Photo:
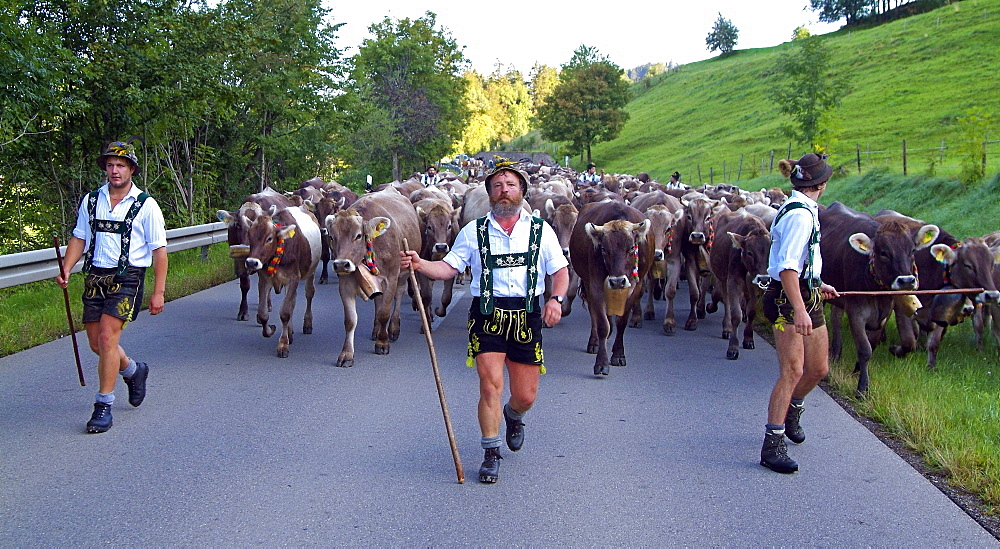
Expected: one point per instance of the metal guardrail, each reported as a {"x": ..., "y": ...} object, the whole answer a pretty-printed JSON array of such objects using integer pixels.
[{"x": 25, "y": 267}]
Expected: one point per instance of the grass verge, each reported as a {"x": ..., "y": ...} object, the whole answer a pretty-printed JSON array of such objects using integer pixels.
[{"x": 38, "y": 310}]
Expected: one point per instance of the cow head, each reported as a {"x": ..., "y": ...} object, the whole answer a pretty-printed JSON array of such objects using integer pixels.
[
  {"x": 969, "y": 264},
  {"x": 562, "y": 218},
  {"x": 349, "y": 235},
  {"x": 439, "y": 227},
  {"x": 265, "y": 236},
  {"x": 617, "y": 241},
  {"x": 754, "y": 249},
  {"x": 328, "y": 206},
  {"x": 698, "y": 214},
  {"x": 890, "y": 253},
  {"x": 662, "y": 227}
]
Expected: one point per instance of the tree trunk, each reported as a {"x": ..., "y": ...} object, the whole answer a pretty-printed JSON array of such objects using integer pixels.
[{"x": 395, "y": 167}]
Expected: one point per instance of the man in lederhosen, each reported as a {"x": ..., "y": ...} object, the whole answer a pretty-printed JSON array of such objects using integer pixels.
[
  {"x": 119, "y": 232},
  {"x": 793, "y": 303},
  {"x": 506, "y": 318}
]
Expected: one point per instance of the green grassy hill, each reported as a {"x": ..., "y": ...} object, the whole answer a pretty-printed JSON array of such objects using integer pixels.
[{"x": 909, "y": 79}]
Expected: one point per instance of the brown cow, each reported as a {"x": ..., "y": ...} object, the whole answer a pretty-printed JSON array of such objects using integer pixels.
[
  {"x": 609, "y": 249},
  {"x": 562, "y": 218},
  {"x": 267, "y": 200},
  {"x": 438, "y": 227},
  {"x": 859, "y": 253},
  {"x": 739, "y": 262},
  {"x": 664, "y": 212},
  {"x": 989, "y": 313},
  {"x": 332, "y": 202},
  {"x": 380, "y": 221},
  {"x": 948, "y": 262},
  {"x": 694, "y": 234},
  {"x": 284, "y": 249}
]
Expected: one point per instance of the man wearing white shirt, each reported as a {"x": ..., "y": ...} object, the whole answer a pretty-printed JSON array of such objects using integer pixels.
[
  {"x": 506, "y": 318},
  {"x": 122, "y": 230},
  {"x": 793, "y": 303}
]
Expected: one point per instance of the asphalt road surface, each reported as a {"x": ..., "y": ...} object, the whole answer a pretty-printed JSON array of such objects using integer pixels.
[{"x": 234, "y": 446}]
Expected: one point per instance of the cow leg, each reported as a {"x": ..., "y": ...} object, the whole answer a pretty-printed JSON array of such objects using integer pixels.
[
  {"x": 307, "y": 321},
  {"x": 426, "y": 286},
  {"x": 907, "y": 329},
  {"x": 239, "y": 267},
  {"x": 383, "y": 310},
  {"x": 994, "y": 320},
  {"x": 394, "y": 321},
  {"x": 649, "y": 313},
  {"x": 324, "y": 256},
  {"x": 748, "y": 317},
  {"x": 574, "y": 287},
  {"x": 446, "y": 295},
  {"x": 857, "y": 320},
  {"x": 978, "y": 323},
  {"x": 287, "y": 307},
  {"x": 634, "y": 305},
  {"x": 618, "y": 348},
  {"x": 263, "y": 304},
  {"x": 731, "y": 318},
  {"x": 933, "y": 344},
  {"x": 694, "y": 294},
  {"x": 347, "y": 293},
  {"x": 670, "y": 292},
  {"x": 836, "y": 338},
  {"x": 600, "y": 328}
]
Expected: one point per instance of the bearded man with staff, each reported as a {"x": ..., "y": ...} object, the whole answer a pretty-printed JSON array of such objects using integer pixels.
[{"x": 510, "y": 253}]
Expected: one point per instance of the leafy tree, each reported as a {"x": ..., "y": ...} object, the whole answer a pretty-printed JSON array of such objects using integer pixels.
[
  {"x": 511, "y": 103},
  {"x": 543, "y": 80},
  {"x": 409, "y": 78},
  {"x": 799, "y": 33},
  {"x": 481, "y": 130},
  {"x": 831, "y": 11},
  {"x": 808, "y": 90},
  {"x": 723, "y": 36},
  {"x": 974, "y": 131},
  {"x": 588, "y": 104}
]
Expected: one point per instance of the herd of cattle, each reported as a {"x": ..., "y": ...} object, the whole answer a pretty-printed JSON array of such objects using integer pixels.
[{"x": 627, "y": 233}]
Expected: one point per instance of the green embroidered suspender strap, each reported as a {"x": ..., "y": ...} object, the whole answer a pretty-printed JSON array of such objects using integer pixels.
[
  {"x": 123, "y": 228},
  {"x": 813, "y": 238},
  {"x": 490, "y": 261}
]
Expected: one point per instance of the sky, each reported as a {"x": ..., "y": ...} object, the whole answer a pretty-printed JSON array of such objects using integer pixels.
[{"x": 629, "y": 32}]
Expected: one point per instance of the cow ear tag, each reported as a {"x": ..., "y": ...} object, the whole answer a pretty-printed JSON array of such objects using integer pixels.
[{"x": 291, "y": 233}]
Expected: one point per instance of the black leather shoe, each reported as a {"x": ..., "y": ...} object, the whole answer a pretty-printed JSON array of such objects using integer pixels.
[
  {"x": 100, "y": 420},
  {"x": 137, "y": 384},
  {"x": 515, "y": 431},
  {"x": 774, "y": 454},
  {"x": 489, "y": 471},
  {"x": 793, "y": 430}
]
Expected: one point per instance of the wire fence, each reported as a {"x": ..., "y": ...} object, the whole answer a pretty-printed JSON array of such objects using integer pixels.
[{"x": 935, "y": 160}]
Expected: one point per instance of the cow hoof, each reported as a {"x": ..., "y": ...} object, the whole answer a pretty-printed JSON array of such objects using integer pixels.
[
  {"x": 701, "y": 315},
  {"x": 381, "y": 348},
  {"x": 711, "y": 308},
  {"x": 393, "y": 336},
  {"x": 669, "y": 330},
  {"x": 345, "y": 362},
  {"x": 748, "y": 345},
  {"x": 601, "y": 369},
  {"x": 897, "y": 351},
  {"x": 592, "y": 350},
  {"x": 691, "y": 326},
  {"x": 322, "y": 280},
  {"x": 618, "y": 361},
  {"x": 441, "y": 311},
  {"x": 307, "y": 329},
  {"x": 267, "y": 330},
  {"x": 649, "y": 315},
  {"x": 635, "y": 323},
  {"x": 282, "y": 353},
  {"x": 732, "y": 354},
  {"x": 726, "y": 335},
  {"x": 243, "y": 317}
]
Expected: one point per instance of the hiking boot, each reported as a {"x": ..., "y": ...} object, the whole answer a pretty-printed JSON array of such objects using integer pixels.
[
  {"x": 774, "y": 454},
  {"x": 100, "y": 421},
  {"x": 137, "y": 384},
  {"x": 515, "y": 431},
  {"x": 489, "y": 471},
  {"x": 793, "y": 430}
]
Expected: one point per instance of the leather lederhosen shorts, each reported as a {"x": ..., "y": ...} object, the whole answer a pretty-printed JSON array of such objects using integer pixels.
[
  {"x": 510, "y": 330},
  {"x": 106, "y": 293},
  {"x": 775, "y": 305}
]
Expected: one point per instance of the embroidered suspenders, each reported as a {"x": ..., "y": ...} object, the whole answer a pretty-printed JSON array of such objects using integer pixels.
[
  {"x": 490, "y": 261},
  {"x": 814, "y": 281},
  {"x": 123, "y": 228}
]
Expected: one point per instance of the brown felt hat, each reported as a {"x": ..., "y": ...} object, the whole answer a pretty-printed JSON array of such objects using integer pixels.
[
  {"x": 513, "y": 168},
  {"x": 809, "y": 171}
]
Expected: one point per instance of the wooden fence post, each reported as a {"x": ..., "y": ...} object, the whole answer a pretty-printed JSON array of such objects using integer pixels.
[
  {"x": 941, "y": 158},
  {"x": 904, "y": 157},
  {"x": 723, "y": 170},
  {"x": 858, "y": 151},
  {"x": 789, "y": 151},
  {"x": 739, "y": 172},
  {"x": 711, "y": 176},
  {"x": 771, "y": 168},
  {"x": 699, "y": 174}
]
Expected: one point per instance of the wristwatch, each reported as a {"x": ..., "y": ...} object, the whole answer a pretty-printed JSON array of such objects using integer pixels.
[{"x": 559, "y": 299}]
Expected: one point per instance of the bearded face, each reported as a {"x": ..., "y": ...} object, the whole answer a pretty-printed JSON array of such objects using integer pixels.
[{"x": 505, "y": 194}]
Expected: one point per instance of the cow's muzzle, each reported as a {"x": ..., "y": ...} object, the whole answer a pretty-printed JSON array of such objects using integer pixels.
[
  {"x": 441, "y": 248},
  {"x": 618, "y": 282},
  {"x": 343, "y": 266},
  {"x": 697, "y": 238},
  {"x": 566, "y": 252},
  {"x": 989, "y": 297},
  {"x": 907, "y": 282},
  {"x": 253, "y": 265},
  {"x": 658, "y": 255}
]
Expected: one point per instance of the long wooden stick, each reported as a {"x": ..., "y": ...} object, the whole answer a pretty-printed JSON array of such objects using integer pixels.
[
  {"x": 69, "y": 313},
  {"x": 437, "y": 373},
  {"x": 913, "y": 292}
]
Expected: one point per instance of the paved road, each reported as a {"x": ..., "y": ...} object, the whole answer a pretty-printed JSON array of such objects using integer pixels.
[{"x": 234, "y": 446}]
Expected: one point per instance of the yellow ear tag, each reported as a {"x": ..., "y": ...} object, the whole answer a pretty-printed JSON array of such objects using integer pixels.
[
  {"x": 939, "y": 256},
  {"x": 381, "y": 228},
  {"x": 927, "y": 237},
  {"x": 291, "y": 234}
]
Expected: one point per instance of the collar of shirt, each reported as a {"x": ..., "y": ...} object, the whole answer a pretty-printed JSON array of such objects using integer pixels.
[
  {"x": 133, "y": 192},
  {"x": 803, "y": 198},
  {"x": 522, "y": 217}
]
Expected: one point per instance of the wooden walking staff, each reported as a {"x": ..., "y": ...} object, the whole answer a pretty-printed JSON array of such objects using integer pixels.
[
  {"x": 437, "y": 374},
  {"x": 913, "y": 292},
  {"x": 69, "y": 313}
]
